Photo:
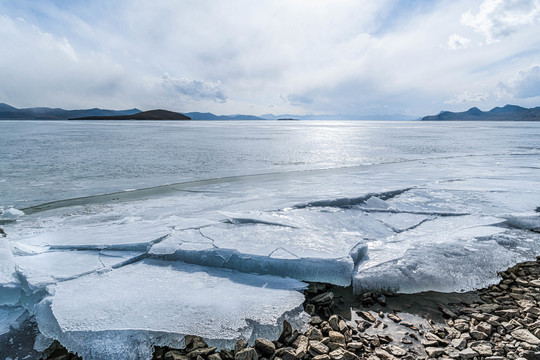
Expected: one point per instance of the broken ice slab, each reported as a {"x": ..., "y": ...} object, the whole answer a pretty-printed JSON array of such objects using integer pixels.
[
  {"x": 123, "y": 313},
  {"x": 136, "y": 236},
  {"x": 303, "y": 254},
  {"x": 8, "y": 316},
  {"x": 10, "y": 288},
  {"x": 527, "y": 221},
  {"x": 445, "y": 254},
  {"x": 47, "y": 268}
]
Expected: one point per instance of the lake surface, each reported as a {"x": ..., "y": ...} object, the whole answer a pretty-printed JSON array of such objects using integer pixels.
[{"x": 117, "y": 216}]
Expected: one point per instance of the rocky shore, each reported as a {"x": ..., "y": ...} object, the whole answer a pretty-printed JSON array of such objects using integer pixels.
[{"x": 499, "y": 322}]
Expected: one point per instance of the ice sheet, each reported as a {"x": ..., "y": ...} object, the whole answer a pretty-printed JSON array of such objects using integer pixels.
[
  {"x": 121, "y": 313},
  {"x": 10, "y": 291}
]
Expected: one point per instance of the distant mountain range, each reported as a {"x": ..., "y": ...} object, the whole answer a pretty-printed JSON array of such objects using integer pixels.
[
  {"x": 143, "y": 115},
  {"x": 506, "y": 113},
  {"x": 45, "y": 113}
]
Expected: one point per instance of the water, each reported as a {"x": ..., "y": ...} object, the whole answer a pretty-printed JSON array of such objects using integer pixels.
[
  {"x": 248, "y": 205},
  {"x": 51, "y": 160}
]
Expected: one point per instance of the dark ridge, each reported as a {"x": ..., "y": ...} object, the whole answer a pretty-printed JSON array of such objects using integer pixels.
[
  {"x": 506, "y": 113},
  {"x": 145, "y": 115}
]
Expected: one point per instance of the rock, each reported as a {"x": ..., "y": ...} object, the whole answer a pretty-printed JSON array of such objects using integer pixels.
[
  {"x": 381, "y": 354},
  {"x": 321, "y": 357},
  {"x": 342, "y": 354},
  {"x": 194, "y": 343},
  {"x": 459, "y": 344},
  {"x": 201, "y": 352},
  {"x": 366, "y": 315},
  {"x": 482, "y": 349},
  {"x": 318, "y": 348},
  {"x": 310, "y": 309},
  {"x": 314, "y": 334},
  {"x": 226, "y": 354},
  {"x": 434, "y": 351},
  {"x": 478, "y": 335},
  {"x": 214, "y": 357},
  {"x": 285, "y": 354},
  {"x": 396, "y": 350},
  {"x": 301, "y": 343},
  {"x": 2, "y": 233},
  {"x": 484, "y": 327},
  {"x": 467, "y": 353},
  {"x": 394, "y": 318},
  {"x": 333, "y": 321},
  {"x": 266, "y": 347},
  {"x": 175, "y": 355},
  {"x": 525, "y": 335},
  {"x": 316, "y": 320},
  {"x": 287, "y": 331},
  {"x": 336, "y": 337},
  {"x": 240, "y": 345},
  {"x": 535, "y": 283},
  {"x": 324, "y": 298},
  {"x": 343, "y": 327},
  {"x": 246, "y": 354},
  {"x": 461, "y": 326}
]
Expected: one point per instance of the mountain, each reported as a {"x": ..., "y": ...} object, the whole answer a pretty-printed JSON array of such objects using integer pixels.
[
  {"x": 340, "y": 117},
  {"x": 145, "y": 115},
  {"x": 210, "y": 116},
  {"x": 505, "y": 113},
  {"x": 45, "y": 113}
]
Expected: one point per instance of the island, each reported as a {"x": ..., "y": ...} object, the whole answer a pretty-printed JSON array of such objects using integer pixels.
[
  {"x": 144, "y": 115},
  {"x": 505, "y": 113}
]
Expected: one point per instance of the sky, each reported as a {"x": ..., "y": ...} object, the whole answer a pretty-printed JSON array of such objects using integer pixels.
[{"x": 409, "y": 57}]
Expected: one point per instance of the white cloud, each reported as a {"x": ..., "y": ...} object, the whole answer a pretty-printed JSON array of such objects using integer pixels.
[
  {"x": 241, "y": 56},
  {"x": 500, "y": 18},
  {"x": 468, "y": 97},
  {"x": 194, "y": 89},
  {"x": 525, "y": 84},
  {"x": 456, "y": 42}
]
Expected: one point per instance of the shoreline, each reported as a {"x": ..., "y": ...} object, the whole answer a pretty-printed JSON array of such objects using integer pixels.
[{"x": 499, "y": 322}]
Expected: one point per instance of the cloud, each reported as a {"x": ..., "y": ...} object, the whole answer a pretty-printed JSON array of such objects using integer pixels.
[
  {"x": 467, "y": 97},
  {"x": 500, "y": 18},
  {"x": 526, "y": 84},
  {"x": 194, "y": 89},
  {"x": 456, "y": 42},
  {"x": 298, "y": 100}
]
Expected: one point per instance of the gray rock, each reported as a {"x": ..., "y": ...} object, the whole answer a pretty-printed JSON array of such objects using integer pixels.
[
  {"x": 175, "y": 355},
  {"x": 434, "y": 351},
  {"x": 321, "y": 357},
  {"x": 265, "y": 346},
  {"x": 318, "y": 348},
  {"x": 459, "y": 344},
  {"x": 314, "y": 334},
  {"x": 366, "y": 315},
  {"x": 194, "y": 343},
  {"x": 240, "y": 345},
  {"x": 324, "y": 298},
  {"x": 287, "y": 331},
  {"x": 382, "y": 354},
  {"x": 525, "y": 335},
  {"x": 478, "y": 335},
  {"x": 394, "y": 317},
  {"x": 467, "y": 353},
  {"x": 396, "y": 350},
  {"x": 201, "y": 352},
  {"x": 342, "y": 354},
  {"x": 246, "y": 354},
  {"x": 214, "y": 357},
  {"x": 333, "y": 321},
  {"x": 483, "y": 349},
  {"x": 336, "y": 337}
]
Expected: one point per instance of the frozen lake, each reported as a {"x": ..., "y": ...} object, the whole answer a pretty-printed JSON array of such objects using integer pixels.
[{"x": 131, "y": 228}]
